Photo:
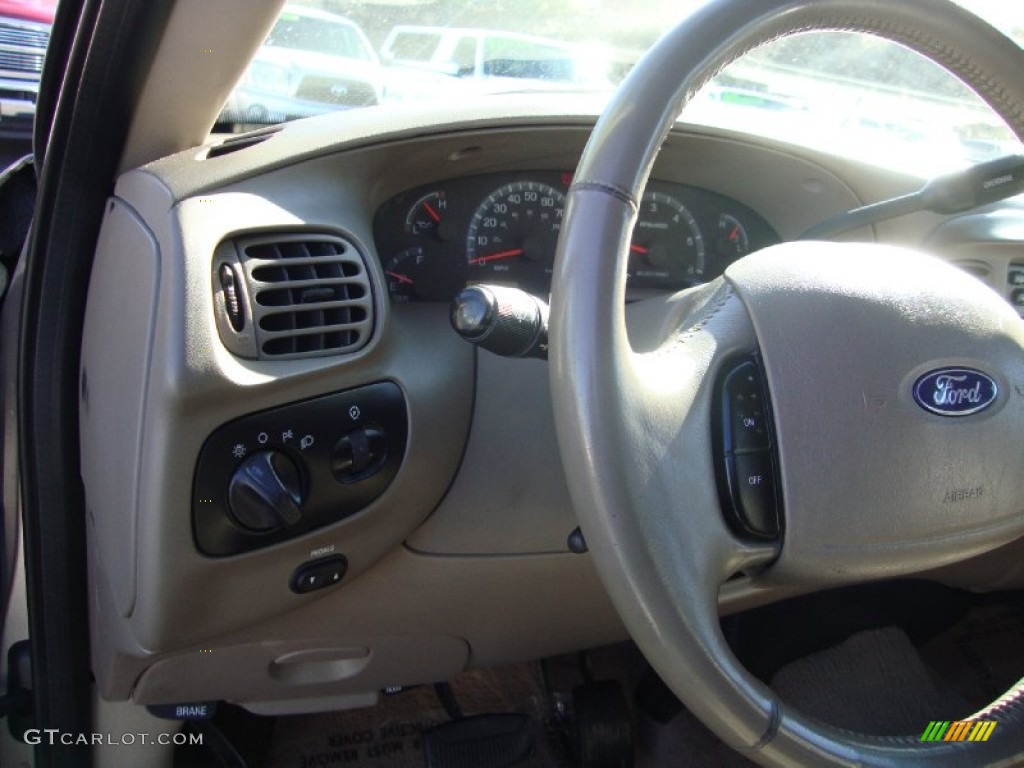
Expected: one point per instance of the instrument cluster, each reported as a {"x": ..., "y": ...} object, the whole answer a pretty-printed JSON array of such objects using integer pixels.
[{"x": 503, "y": 228}]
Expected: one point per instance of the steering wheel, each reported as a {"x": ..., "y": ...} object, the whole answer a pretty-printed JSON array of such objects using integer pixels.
[{"x": 873, "y": 484}]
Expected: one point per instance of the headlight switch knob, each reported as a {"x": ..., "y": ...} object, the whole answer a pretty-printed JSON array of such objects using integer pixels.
[{"x": 265, "y": 492}]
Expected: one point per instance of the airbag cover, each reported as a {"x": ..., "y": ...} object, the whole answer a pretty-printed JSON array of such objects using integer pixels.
[{"x": 876, "y": 485}]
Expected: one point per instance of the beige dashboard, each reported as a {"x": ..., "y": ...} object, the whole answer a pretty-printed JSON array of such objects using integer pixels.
[{"x": 460, "y": 558}]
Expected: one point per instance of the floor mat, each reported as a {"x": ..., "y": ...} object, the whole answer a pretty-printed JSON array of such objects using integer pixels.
[
  {"x": 983, "y": 655},
  {"x": 873, "y": 682}
]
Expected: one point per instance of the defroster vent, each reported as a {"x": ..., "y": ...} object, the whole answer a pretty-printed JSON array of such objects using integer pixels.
[{"x": 289, "y": 296}]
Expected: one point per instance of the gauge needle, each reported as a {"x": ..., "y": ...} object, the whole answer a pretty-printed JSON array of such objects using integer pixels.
[
  {"x": 431, "y": 212},
  {"x": 499, "y": 255},
  {"x": 401, "y": 278},
  {"x": 638, "y": 249},
  {"x": 734, "y": 236}
]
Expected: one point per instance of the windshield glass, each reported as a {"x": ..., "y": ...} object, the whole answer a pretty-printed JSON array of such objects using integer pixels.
[
  {"x": 303, "y": 33},
  {"x": 842, "y": 93}
]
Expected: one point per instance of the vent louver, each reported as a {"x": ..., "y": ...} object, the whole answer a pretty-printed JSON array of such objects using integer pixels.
[{"x": 308, "y": 295}]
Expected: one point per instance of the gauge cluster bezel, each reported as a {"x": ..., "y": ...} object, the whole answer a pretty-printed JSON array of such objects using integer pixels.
[{"x": 434, "y": 239}]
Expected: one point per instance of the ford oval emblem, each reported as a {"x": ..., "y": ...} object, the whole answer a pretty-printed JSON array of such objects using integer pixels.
[{"x": 955, "y": 391}]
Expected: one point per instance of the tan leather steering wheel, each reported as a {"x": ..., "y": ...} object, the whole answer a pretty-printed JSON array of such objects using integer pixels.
[{"x": 831, "y": 323}]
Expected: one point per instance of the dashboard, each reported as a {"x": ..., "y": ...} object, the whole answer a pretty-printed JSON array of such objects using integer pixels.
[
  {"x": 426, "y": 473},
  {"x": 502, "y": 228}
]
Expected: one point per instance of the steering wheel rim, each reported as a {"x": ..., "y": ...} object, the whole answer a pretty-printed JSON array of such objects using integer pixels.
[{"x": 663, "y": 559}]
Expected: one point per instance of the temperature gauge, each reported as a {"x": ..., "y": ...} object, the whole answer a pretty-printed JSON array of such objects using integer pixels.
[{"x": 428, "y": 216}]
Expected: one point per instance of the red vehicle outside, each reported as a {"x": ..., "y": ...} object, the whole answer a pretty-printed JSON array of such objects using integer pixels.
[
  {"x": 31, "y": 10},
  {"x": 24, "y": 34}
]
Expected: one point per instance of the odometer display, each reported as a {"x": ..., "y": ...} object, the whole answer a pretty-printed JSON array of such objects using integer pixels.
[{"x": 513, "y": 233}]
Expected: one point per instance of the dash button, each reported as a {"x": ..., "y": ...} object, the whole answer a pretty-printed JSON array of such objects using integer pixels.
[
  {"x": 754, "y": 492},
  {"x": 317, "y": 574}
]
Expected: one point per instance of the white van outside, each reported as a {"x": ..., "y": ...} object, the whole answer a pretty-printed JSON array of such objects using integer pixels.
[{"x": 487, "y": 61}]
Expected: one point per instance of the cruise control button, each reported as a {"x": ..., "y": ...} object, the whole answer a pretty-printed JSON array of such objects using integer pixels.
[
  {"x": 749, "y": 429},
  {"x": 747, "y": 423},
  {"x": 753, "y": 492}
]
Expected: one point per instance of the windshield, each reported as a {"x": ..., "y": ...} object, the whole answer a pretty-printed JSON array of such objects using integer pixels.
[
  {"x": 316, "y": 34},
  {"x": 842, "y": 93}
]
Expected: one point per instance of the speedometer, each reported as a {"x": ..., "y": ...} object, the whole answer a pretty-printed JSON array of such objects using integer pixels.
[{"x": 513, "y": 234}]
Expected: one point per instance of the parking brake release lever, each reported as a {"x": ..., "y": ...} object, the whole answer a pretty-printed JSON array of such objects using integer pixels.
[{"x": 506, "y": 321}]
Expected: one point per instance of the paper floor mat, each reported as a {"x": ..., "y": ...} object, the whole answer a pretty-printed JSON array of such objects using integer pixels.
[{"x": 388, "y": 735}]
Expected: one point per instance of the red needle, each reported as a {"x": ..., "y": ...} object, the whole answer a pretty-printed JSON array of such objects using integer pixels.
[
  {"x": 431, "y": 212},
  {"x": 401, "y": 278},
  {"x": 638, "y": 249},
  {"x": 735, "y": 234},
  {"x": 499, "y": 255}
]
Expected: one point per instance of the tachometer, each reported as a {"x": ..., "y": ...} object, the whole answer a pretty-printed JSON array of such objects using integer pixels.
[
  {"x": 513, "y": 233},
  {"x": 668, "y": 247}
]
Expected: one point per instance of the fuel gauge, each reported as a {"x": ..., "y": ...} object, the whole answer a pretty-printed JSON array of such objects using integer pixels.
[
  {"x": 731, "y": 241},
  {"x": 412, "y": 276},
  {"x": 403, "y": 271},
  {"x": 428, "y": 216}
]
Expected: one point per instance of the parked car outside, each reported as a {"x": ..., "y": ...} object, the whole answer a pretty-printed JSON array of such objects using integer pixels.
[
  {"x": 311, "y": 62},
  {"x": 489, "y": 61},
  {"x": 24, "y": 34}
]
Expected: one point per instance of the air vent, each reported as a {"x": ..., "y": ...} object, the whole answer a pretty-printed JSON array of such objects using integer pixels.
[{"x": 307, "y": 295}]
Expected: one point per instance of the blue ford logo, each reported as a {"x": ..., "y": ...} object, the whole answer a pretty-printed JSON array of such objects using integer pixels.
[{"x": 955, "y": 391}]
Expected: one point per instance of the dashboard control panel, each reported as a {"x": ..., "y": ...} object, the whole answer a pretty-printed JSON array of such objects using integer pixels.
[
  {"x": 502, "y": 229},
  {"x": 274, "y": 475}
]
